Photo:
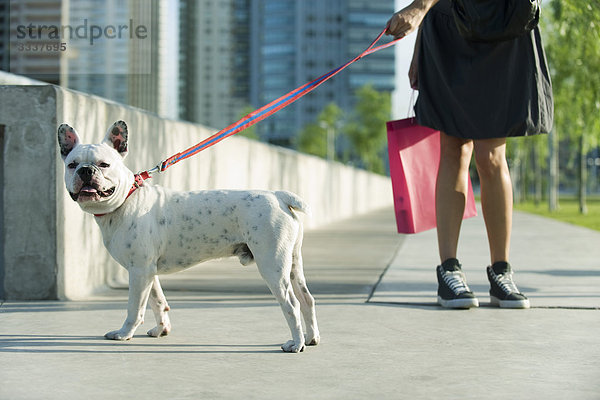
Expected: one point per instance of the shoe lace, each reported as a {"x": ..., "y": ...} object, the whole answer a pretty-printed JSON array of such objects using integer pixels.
[
  {"x": 506, "y": 283},
  {"x": 456, "y": 281}
]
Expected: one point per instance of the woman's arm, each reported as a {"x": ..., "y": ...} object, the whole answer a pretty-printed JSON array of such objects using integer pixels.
[
  {"x": 413, "y": 72},
  {"x": 409, "y": 18},
  {"x": 404, "y": 22}
]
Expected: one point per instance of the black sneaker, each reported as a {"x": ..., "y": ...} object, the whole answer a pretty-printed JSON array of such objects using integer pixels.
[
  {"x": 503, "y": 291},
  {"x": 453, "y": 291}
]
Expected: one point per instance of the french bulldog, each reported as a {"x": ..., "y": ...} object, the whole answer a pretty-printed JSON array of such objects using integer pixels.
[{"x": 155, "y": 230}]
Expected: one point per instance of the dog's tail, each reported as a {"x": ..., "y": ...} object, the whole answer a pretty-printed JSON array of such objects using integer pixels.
[{"x": 293, "y": 202}]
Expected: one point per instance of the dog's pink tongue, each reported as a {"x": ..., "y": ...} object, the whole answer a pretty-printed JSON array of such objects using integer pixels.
[{"x": 88, "y": 190}]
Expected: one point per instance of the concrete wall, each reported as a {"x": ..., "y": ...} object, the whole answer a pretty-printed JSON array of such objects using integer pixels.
[{"x": 54, "y": 250}]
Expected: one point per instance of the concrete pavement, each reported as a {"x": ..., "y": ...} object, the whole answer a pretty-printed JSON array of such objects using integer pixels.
[
  {"x": 382, "y": 335},
  {"x": 557, "y": 265}
]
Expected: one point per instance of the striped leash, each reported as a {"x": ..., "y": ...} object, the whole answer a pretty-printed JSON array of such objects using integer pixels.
[{"x": 255, "y": 116}]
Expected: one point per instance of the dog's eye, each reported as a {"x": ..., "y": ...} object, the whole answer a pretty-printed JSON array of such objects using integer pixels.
[
  {"x": 72, "y": 165},
  {"x": 104, "y": 165}
]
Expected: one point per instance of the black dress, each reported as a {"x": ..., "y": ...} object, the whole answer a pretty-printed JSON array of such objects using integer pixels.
[{"x": 481, "y": 90}]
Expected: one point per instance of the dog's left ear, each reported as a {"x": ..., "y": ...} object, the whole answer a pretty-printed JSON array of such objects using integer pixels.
[{"x": 116, "y": 137}]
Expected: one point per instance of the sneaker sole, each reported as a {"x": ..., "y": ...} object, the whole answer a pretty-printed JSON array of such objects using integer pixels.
[
  {"x": 458, "y": 303},
  {"x": 522, "y": 304}
]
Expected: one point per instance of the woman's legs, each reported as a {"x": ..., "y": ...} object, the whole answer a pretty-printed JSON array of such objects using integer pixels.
[
  {"x": 496, "y": 202},
  {"x": 496, "y": 195},
  {"x": 451, "y": 192}
]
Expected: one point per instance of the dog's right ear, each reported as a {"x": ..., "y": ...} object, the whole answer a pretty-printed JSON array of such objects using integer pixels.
[{"x": 67, "y": 139}]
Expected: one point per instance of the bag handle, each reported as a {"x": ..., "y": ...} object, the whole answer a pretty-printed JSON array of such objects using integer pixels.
[{"x": 411, "y": 105}]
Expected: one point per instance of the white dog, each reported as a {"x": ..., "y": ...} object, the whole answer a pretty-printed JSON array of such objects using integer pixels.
[{"x": 157, "y": 231}]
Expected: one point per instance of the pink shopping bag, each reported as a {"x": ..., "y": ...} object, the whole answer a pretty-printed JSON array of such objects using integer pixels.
[{"x": 414, "y": 153}]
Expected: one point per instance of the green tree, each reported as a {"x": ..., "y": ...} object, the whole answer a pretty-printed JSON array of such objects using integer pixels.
[
  {"x": 314, "y": 136},
  {"x": 528, "y": 160},
  {"x": 366, "y": 130},
  {"x": 573, "y": 47}
]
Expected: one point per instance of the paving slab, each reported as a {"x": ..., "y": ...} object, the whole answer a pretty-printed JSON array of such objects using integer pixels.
[
  {"x": 227, "y": 330},
  {"x": 230, "y": 350},
  {"x": 556, "y": 264}
]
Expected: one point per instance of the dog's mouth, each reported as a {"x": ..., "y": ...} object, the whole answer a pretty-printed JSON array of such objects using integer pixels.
[{"x": 90, "y": 193}]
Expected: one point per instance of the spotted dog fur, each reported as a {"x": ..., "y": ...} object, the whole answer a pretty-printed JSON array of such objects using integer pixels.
[{"x": 159, "y": 231}]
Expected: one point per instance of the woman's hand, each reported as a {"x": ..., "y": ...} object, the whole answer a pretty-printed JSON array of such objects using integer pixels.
[{"x": 409, "y": 18}]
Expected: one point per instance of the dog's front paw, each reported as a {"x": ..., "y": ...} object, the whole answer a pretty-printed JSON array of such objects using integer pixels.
[
  {"x": 119, "y": 335},
  {"x": 291, "y": 347},
  {"x": 160, "y": 330}
]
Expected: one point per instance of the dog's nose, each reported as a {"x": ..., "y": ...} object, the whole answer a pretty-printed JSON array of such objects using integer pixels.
[{"x": 85, "y": 173}]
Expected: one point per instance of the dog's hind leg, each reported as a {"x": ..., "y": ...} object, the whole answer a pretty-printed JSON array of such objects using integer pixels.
[
  {"x": 291, "y": 311},
  {"x": 158, "y": 303},
  {"x": 275, "y": 271},
  {"x": 307, "y": 301}
]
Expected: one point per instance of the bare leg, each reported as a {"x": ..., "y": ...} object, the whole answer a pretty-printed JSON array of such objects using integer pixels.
[
  {"x": 451, "y": 192},
  {"x": 496, "y": 195}
]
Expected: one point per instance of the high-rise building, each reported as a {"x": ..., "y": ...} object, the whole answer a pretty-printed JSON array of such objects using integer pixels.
[
  {"x": 249, "y": 52},
  {"x": 4, "y": 35},
  {"x": 213, "y": 61},
  {"x": 144, "y": 68},
  {"x": 122, "y": 50},
  {"x": 295, "y": 41},
  {"x": 100, "y": 66},
  {"x": 238, "y": 52},
  {"x": 366, "y": 19},
  {"x": 153, "y": 65},
  {"x": 26, "y": 47},
  {"x": 135, "y": 63},
  {"x": 241, "y": 51}
]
